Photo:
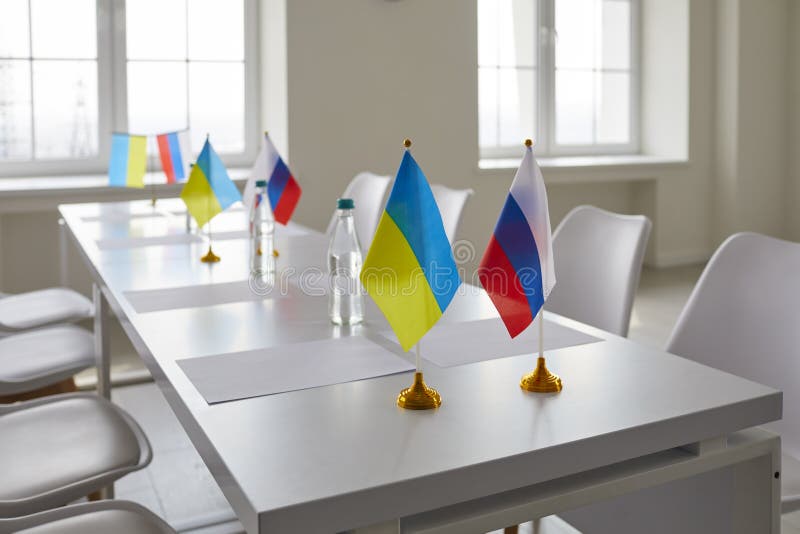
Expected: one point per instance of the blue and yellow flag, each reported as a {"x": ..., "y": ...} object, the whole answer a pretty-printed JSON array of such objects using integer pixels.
[
  {"x": 128, "y": 162},
  {"x": 410, "y": 272},
  {"x": 209, "y": 190}
]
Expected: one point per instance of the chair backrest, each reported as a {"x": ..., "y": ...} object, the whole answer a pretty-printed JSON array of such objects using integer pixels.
[
  {"x": 368, "y": 192},
  {"x": 743, "y": 317},
  {"x": 451, "y": 204},
  {"x": 598, "y": 259}
]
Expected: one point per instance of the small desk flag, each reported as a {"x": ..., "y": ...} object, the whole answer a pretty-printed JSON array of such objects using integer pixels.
[
  {"x": 173, "y": 149},
  {"x": 209, "y": 190},
  {"x": 282, "y": 189},
  {"x": 128, "y": 162},
  {"x": 517, "y": 268},
  {"x": 410, "y": 272}
]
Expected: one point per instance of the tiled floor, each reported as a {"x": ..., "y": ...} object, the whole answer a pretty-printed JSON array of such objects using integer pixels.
[
  {"x": 179, "y": 488},
  {"x": 176, "y": 485}
]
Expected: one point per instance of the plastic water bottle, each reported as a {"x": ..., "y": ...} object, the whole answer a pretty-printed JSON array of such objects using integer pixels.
[
  {"x": 346, "y": 303},
  {"x": 262, "y": 233}
]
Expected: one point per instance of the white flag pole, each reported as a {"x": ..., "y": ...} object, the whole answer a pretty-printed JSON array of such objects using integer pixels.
[
  {"x": 541, "y": 332},
  {"x": 210, "y": 257},
  {"x": 152, "y": 165},
  {"x": 541, "y": 380},
  {"x": 418, "y": 396}
]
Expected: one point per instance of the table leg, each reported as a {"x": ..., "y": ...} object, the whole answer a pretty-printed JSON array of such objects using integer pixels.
[
  {"x": 63, "y": 258},
  {"x": 102, "y": 353}
]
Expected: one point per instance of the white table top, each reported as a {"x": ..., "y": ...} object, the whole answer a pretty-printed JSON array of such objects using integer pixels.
[{"x": 344, "y": 456}]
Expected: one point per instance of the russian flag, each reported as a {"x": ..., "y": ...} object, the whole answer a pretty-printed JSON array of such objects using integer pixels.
[
  {"x": 173, "y": 148},
  {"x": 282, "y": 189},
  {"x": 517, "y": 268}
]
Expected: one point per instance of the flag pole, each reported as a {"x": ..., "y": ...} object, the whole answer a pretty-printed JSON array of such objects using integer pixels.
[
  {"x": 275, "y": 252},
  {"x": 210, "y": 257},
  {"x": 541, "y": 380},
  {"x": 418, "y": 396},
  {"x": 152, "y": 169}
]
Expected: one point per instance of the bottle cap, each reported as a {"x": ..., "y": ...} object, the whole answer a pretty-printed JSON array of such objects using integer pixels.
[
  {"x": 261, "y": 183},
  {"x": 345, "y": 204}
]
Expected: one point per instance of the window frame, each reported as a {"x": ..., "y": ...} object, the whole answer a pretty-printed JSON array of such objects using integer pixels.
[
  {"x": 112, "y": 98},
  {"x": 544, "y": 134}
]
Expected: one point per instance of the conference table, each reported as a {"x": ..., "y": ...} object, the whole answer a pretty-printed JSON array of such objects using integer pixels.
[{"x": 297, "y": 422}]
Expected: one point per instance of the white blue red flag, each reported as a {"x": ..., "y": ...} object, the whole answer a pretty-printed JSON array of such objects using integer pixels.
[
  {"x": 282, "y": 189},
  {"x": 517, "y": 268},
  {"x": 173, "y": 149}
]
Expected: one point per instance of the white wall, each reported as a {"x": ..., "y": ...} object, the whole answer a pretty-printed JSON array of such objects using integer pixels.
[
  {"x": 752, "y": 118},
  {"x": 793, "y": 196},
  {"x": 364, "y": 75}
]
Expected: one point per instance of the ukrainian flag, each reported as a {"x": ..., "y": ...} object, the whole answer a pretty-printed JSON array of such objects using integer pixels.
[
  {"x": 209, "y": 190},
  {"x": 410, "y": 272},
  {"x": 128, "y": 160}
]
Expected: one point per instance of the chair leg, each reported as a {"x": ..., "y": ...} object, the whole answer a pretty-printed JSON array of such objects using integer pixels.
[
  {"x": 511, "y": 530},
  {"x": 65, "y": 386}
]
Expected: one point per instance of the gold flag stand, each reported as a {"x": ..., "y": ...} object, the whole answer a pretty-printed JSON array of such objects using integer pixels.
[
  {"x": 419, "y": 396},
  {"x": 210, "y": 257},
  {"x": 541, "y": 380}
]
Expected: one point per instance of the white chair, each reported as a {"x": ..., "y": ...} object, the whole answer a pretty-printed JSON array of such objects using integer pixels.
[
  {"x": 102, "y": 517},
  {"x": 44, "y": 307},
  {"x": 57, "y": 449},
  {"x": 368, "y": 192},
  {"x": 451, "y": 204},
  {"x": 39, "y": 358},
  {"x": 743, "y": 317},
  {"x": 598, "y": 258}
]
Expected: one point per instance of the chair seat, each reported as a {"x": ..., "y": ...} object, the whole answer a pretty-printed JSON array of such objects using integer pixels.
[
  {"x": 119, "y": 517},
  {"x": 790, "y": 483},
  {"x": 36, "y": 359},
  {"x": 41, "y": 308},
  {"x": 53, "y": 449}
]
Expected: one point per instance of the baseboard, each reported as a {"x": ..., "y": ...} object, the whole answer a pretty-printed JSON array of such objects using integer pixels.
[{"x": 679, "y": 258}]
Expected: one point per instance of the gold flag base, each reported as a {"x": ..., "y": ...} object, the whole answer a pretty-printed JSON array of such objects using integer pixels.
[
  {"x": 419, "y": 396},
  {"x": 541, "y": 380},
  {"x": 210, "y": 257}
]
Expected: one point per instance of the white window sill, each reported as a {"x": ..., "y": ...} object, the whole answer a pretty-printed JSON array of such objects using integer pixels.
[
  {"x": 585, "y": 162},
  {"x": 92, "y": 183}
]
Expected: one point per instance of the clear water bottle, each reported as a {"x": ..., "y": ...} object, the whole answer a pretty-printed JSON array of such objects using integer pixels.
[
  {"x": 346, "y": 304},
  {"x": 262, "y": 234}
]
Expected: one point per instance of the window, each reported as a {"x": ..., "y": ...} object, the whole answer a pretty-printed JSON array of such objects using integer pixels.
[
  {"x": 48, "y": 80},
  {"x": 143, "y": 66},
  {"x": 562, "y": 71}
]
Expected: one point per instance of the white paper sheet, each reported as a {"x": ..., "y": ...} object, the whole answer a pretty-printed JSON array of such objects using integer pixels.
[
  {"x": 280, "y": 231},
  {"x": 174, "y": 298},
  {"x": 254, "y": 373},
  {"x": 450, "y": 344},
  {"x": 120, "y": 216},
  {"x": 136, "y": 242}
]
